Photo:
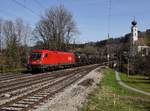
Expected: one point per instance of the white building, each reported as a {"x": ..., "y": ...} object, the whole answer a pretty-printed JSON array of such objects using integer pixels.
[
  {"x": 144, "y": 50},
  {"x": 137, "y": 44},
  {"x": 133, "y": 39},
  {"x": 134, "y": 31}
]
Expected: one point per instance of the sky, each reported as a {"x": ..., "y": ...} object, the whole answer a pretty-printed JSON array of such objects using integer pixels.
[{"x": 91, "y": 16}]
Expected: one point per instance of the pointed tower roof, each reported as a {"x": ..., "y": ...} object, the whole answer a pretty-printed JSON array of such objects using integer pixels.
[{"x": 134, "y": 22}]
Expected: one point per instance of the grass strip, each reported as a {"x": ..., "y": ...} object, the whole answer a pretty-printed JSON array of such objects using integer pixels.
[
  {"x": 109, "y": 96},
  {"x": 136, "y": 81}
]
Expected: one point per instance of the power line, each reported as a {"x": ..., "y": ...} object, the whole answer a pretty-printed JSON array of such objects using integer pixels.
[
  {"x": 39, "y": 4},
  {"x": 25, "y": 7},
  {"x": 7, "y": 13}
]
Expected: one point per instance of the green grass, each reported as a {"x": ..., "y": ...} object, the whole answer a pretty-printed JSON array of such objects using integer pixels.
[
  {"x": 109, "y": 96},
  {"x": 136, "y": 81},
  {"x": 13, "y": 70},
  {"x": 110, "y": 80}
]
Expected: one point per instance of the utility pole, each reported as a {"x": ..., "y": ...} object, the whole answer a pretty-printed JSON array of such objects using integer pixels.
[
  {"x": 128, "y": 67},
  {"x": 120, "y": 62},
  {"x": 0, "y": 38},
  {"x": 0, "y": 44},
  {"x": 109, "y": 20},
  {"x": 108, "y": 56}
]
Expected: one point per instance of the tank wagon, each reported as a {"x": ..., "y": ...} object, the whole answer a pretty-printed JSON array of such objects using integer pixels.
[{"x": 47, "y": 59}]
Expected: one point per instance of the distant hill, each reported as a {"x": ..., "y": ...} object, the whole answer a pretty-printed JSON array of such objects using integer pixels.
[{"x": 115, "y": 46}]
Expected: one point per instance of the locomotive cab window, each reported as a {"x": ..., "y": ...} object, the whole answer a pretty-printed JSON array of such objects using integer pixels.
[
  {"x": 46, "y": 55},
  {"x": 36, "y": 55}
]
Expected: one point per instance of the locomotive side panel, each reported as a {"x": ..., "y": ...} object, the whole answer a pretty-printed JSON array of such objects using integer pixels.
[
  {"x": 49, "y": 58},
  {"x": 66, "y": 58},
  {"x": 45, "y": 59}
]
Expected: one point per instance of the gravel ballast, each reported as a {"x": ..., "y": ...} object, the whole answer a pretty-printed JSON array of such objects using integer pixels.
[{"x": 72, "y": 97}]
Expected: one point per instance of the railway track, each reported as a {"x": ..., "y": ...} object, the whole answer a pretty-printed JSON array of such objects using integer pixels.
[
  {"x": 24, "y": 84},
  {"x": 40, "y": 89},
  {"x": 9, "y": 76}
]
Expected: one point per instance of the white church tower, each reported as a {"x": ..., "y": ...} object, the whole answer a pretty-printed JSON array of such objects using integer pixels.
[
  {"x": 134, "y": 32},
  {"x": 134, "y": 38}
]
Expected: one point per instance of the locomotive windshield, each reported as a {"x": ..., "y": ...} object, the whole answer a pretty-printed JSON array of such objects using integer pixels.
[{"x": 36, "y": 55}]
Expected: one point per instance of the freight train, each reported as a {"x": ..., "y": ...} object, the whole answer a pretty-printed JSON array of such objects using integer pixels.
[{"x": 48, "y": 60}]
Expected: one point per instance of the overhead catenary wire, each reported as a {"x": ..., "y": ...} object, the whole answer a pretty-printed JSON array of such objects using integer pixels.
[
  {"x": 7, "y": 13},
  {"x": 25, "y": 7},
  {"x": 39, "y": 4}
]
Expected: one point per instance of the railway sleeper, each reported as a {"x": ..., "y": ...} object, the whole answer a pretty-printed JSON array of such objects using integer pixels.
[
  {"x": 43, "y": 93},
  {"x": 11, "y": 109},
  {"x": 25, "y": 102},
  {"x": 31, "y": 100},
  {"x": 20, "y": 105},
  {"x": 37, "y": 97}
]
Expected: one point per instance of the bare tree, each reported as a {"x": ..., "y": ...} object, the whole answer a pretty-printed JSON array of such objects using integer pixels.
[
  {"x": 1, "y": 45},
  {"x": 147, "y": 37},
  {"x": 1, "y": 40},
  {"x": 15, "y": 34},
  {"x": 26, "y": 35},
  {"x": 19, "y": 28},
  {"x": 23, "y": 33},
  {"x": 11, "y": 42},
  {"x": 56, "y": 28}
]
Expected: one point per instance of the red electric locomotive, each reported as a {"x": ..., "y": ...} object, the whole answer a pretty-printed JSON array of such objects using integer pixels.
[{"x": 46, "y": 59}]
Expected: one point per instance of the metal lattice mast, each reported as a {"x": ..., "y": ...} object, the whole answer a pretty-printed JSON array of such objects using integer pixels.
[{"x": 109, "y": 20}]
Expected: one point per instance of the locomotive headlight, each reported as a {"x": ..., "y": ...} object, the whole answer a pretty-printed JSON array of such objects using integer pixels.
[
  {"x": 40, "y": 62},
  {"x": 79, "y": 57}
]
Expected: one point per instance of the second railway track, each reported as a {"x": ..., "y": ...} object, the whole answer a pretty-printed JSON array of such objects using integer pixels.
[
  {"x": 18, "y": 83},
  {"x": 38, "y": 91}
]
